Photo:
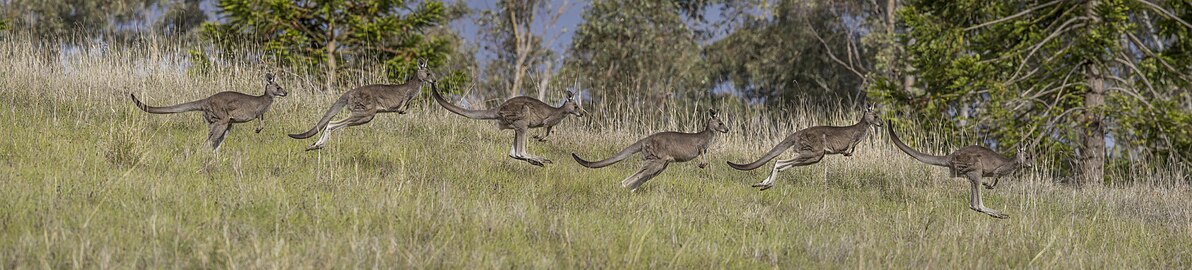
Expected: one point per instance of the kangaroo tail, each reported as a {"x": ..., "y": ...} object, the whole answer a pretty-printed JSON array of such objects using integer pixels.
[
  {"x": 777, "y": 150},
  {"x": 633, "y": 148},
  {"x": 184, "y": 107},
  {"x": 925, "y": 158},
  {"x": 331, "y": 112},
  {"x": 474, "y": 114}
]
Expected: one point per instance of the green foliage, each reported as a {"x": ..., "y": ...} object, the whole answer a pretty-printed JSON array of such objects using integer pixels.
[
  {"x": 639, "y": 47},
  {"x": 331, "y": 35},
  {"x": 780, "y": 58},
  {"x": 1023, "y": 80}
]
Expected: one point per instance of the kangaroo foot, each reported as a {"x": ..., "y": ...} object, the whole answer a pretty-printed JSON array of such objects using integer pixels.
[
  {"x": 987, "y": 186},
  {"x": 763, "y": 186},
  {"x": 401, "y": 111},
  {"x": 541, "y": 139},
  {"x": 535, "y": 162},
  {"x": 991, "y": 212},
  {"x": 314, "y": 147},
  {"x": 259, "y": 130}
]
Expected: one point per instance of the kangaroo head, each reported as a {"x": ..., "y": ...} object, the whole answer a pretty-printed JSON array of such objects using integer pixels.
[
  {"x": 271, "y": 87},
  {"x": 1022, "y": 158},
  {"x": 424, "y": 74},
  {"x": 714, "y": 122},
  {"x": 572, "y": 105},
  {"x": 870, "y": 116}
]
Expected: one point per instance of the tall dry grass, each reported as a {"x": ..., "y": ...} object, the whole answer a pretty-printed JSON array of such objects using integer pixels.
[{"x": 92, "y": 182}]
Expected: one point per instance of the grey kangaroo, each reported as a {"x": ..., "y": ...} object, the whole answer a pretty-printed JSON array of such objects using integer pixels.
[
  {"x": 366, "y": 102},
  {"x": 660, "y": 149},
  {"x": 223, "y": 109},
  {"x": 520, "y": 114},
  {"x": 972, "y": 162},
  {"x": 812, "y": 144}
]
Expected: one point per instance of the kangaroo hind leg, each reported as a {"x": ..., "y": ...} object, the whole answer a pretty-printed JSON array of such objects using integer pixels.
[
  {"x": 975, "y": 201},
  {"x": 519, "y": 147},
  {"x": 803, "y": 159},
  {"x": 215, "y": 136},
  {"x": 650, "y": 169},
  {"x": 355, "y": 119}
]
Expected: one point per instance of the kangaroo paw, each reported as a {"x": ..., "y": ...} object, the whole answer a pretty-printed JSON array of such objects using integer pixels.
[
  {"x": 987, "y": 186},
  {"x": 763, "y": 186},
  {"x": 259, "y": 130}
]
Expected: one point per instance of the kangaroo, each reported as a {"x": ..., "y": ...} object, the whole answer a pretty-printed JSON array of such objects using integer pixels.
[
  {"x": 972, "y": 162},
  {"x": 812, "y": 144},
  {"x": 223, "y": 109},
  {"x": 660, "y": 149},
  {"x": 520, "y": 114},
  {"x": 365, "y": 102}
]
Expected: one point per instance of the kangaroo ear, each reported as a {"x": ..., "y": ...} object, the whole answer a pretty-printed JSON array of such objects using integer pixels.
[
  {"x": 269, "y": 77},
  {"x": 422, "y": 62},
  {"x": 570, "y": 94},
  {"x": 712, "y": 112}
]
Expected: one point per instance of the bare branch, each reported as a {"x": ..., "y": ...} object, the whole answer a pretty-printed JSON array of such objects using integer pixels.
[
  {"x": 1147, "y": 51},
  {"x": 1011, "y": 17},
  {"x": 1139, "y": 73},
  {"x": 1063, "y": 28},
  {"x": 1165, "y": 13},
  {"x": 833, "y": 55},
  {"x": 1133, "y": 94}
]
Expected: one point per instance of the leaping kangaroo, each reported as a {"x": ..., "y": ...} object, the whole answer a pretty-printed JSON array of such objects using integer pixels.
[
  {"x": 972, "y": 162},
  {"x": 366, "y": 102},
  {"x": 660, "y": 149},
  {"x": 813, "y": 144},
  {"x": 223, "y": 109},
  {"x": 520, "y": 114}
]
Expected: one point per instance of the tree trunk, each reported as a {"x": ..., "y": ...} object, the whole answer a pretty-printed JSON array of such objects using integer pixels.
[
  {"x": 332, "y": 66},
  {"x": 1092, "y": 158},
  {"x": 521, "y": 46}
]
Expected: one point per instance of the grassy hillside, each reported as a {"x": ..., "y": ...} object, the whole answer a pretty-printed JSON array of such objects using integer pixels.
[{"x": 90, "y": 181}]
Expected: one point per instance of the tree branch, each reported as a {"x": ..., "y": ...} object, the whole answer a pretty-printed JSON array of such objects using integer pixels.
[
  {"x": 831, "y": 54},
  {"x": 1147, "y": 51},
  {"x": 1165, "y": 13},
  {"x": 1011, "y": 17},
  {"x": 1063, "y": 28}
]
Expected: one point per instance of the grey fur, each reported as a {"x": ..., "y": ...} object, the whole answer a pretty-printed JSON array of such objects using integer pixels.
[
  {"x": 366, "y": 102},
  {"x": 971, "y": 162},
  {"x": 520, "y": 114},
  {"x": 812, "y": 144},
  {"x": 223, "y": 109},
  {"x": 661, "y": 149}
]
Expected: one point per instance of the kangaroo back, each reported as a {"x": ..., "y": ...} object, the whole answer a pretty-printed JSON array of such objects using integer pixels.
[
  {"x": 474, "y": 114},
  {"x": 925, "y": 158},
  {"x": 777, "y": 150},
  {"x": 633, "y": 148},
  {"x": 184, "y": 107},
  {"x": 331, "y": 112}
]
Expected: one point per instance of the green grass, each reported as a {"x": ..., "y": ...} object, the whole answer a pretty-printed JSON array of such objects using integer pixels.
[{"x": 92, "y": 182}]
